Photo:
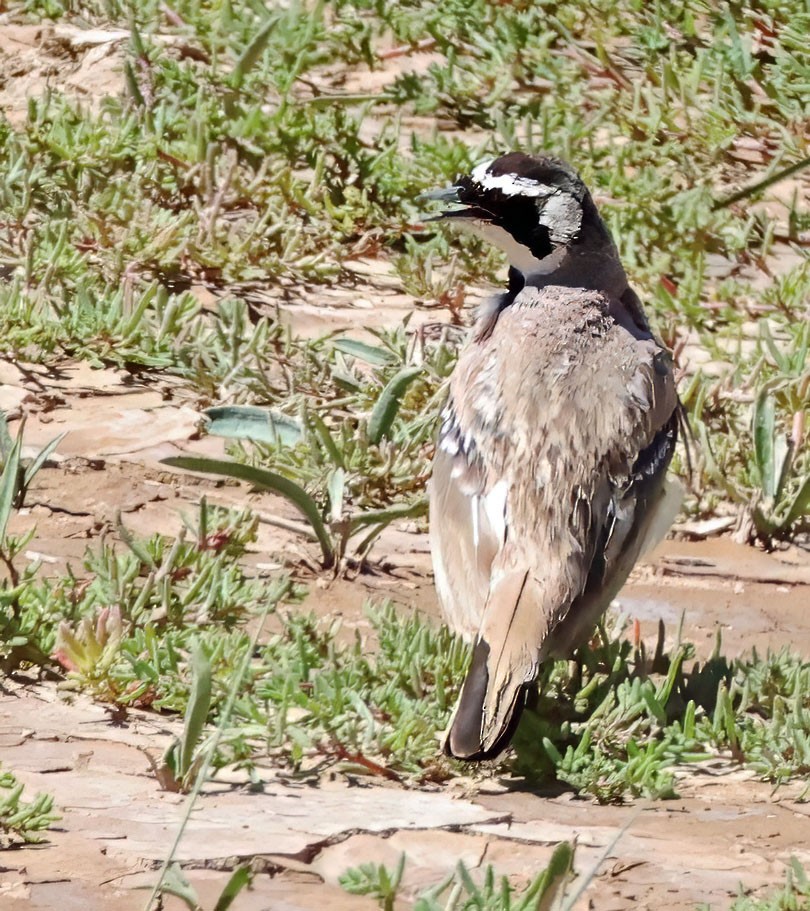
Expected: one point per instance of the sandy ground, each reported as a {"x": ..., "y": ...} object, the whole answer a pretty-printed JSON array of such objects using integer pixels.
[{"x": 727, "y": 829}]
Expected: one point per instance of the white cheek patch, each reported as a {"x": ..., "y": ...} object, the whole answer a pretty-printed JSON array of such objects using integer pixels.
[
  {"x": 562, "y": 215},
  {"x": 449, "y": 444}
]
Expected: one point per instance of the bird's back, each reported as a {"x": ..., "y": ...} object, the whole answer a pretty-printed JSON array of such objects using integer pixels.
[{"x": 556, "y": 438}]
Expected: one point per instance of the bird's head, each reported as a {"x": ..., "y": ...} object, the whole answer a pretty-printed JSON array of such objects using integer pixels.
[{"x": 534, "y": 208}]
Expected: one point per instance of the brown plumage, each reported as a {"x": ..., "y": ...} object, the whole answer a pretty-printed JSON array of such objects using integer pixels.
[{"x": 549, "y": 476}]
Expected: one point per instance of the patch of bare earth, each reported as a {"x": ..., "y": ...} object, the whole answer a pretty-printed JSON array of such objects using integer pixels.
[{"x": 86, "y": 64}]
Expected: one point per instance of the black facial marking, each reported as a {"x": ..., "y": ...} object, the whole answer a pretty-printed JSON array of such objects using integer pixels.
[
  {"x": 515, "y": 214},
  {"x": 519, "y": 214}
]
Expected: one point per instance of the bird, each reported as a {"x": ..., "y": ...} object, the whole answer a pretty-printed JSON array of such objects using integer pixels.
[{"x": 549, "y": 475}]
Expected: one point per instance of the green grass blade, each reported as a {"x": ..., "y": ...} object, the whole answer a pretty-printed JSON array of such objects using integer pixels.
[
  {"x": 166, "y": 871},
  {"x": 754, "y": 188},
  {"x": 266, "y": 480},
  {"x": 764, "y": 432},
  {"x": 775, "y": 352},
  {"x": 782, "y": 462},
  {"x": 800, "y": 507},
  {"x": 9, "y": 484},
  {"x": 587, "y": 878},
  {"x": 199, "y": 704},
  {"x": 6, "y": 442},
  {"x": 387, "y": 406},
  {"x": 41, "y": 458},
  {"x": 336, "y": 489},
  {"x": 318, "y": 426},
  {"x": 251, "y": 54},
  {"x": 546, "y": 888},
  {"x": 241, "y": 877},
  {"x": 390, "y": 514}
]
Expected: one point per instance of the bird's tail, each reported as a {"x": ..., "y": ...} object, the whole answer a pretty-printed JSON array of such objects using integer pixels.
[{"x": 504, "y": 664}]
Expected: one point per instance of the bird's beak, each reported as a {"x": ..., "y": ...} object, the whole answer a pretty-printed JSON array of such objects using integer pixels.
[
  {"x": 446, "y": 195},
  {"x": 443, "y": 194}
]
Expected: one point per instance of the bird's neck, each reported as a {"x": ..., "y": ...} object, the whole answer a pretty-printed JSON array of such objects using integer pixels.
[
  {"x": 594, "y": 270},
  {"x": 592, "y": 262}
]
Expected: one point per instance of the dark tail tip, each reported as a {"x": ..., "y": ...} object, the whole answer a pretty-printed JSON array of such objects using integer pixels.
[{"x": 464, "y": 741}]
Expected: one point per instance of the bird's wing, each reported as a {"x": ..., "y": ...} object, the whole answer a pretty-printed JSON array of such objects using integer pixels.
[
  {"x": 466, "y": 530},
  {"x": 578, "y": 469}
]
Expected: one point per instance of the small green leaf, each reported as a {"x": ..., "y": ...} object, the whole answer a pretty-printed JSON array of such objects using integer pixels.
[
  {"x": 240, "y": 878},
  {"x": 247, "y": 422},
  {"x": 175, "y": 883},
  {"x": 764, "y": 434},
  {"x": 371, "y": 354},
  {"x": 387, "y": 405}
]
